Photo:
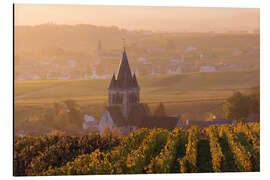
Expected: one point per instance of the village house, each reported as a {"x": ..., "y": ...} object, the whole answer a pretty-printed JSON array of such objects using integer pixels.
[
  {"x": 207, "y": 68},
  {"x": 178, "y": 60},
  {"x": 237, "y": 52},
  {"x": 175, "y": 70},
  {"x": 191, "y": 48},
  {"x": 201, "y": 56},
  {"x": 142, "y": 58},
  {"x": 203, "y": 124},
  {"x": 125, "y": 111},
  {"x": 89, "y": 123}
]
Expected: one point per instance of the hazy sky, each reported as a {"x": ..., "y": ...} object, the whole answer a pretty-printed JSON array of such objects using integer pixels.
[{"x": 140, "y": 17}]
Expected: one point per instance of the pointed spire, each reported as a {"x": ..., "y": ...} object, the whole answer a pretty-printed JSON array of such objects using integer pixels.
[
  {"x": 124, "y": 79},
  {"x": 135, "y": 83},
  {"x": 124, "y": 75},
  {"x": 113, "y": 82}
]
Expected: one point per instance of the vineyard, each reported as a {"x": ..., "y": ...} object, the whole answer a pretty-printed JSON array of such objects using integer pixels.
[{"x": 225, "y": 148}]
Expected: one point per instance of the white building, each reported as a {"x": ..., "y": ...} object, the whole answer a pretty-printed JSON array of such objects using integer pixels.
[
  {"x": 28, "y": 77},
  {"x": 72, "y": 63},
  {"x": 175, "y": 70},
  {"x": 88, "y": 121},
  {"x": 147, "y": 63},
  {"x": 96, "y": 76},
  {"x": 63, "y": 77},
  {"x": 141, "y": 59},
  {"x": 178, "y": 60},
  {"x": 207, "y": 68},
  {"x": 35, "y": 77},
  {"x": 154, "y": 72},
  {"x": 201, "y": 56},
  {"x": 179, "y": 124},
  {"x": 237, "y": 52},
  {"x": 191, "y": 48},
  {"x": 106, "y": 120}
]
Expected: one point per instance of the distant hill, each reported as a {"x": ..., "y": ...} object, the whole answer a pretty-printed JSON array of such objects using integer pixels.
[
  {"x": 52, "y": 40},
  {"x": 69, "y": 37}
]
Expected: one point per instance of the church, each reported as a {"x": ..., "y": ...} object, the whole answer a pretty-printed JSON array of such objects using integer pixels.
[{"x": 125, "y": 111}]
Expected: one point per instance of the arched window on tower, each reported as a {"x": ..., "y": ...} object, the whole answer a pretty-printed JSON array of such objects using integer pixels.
[
  {"x": 114, "y": 99},
  {"x": 117, "y": 98},
  {"x": 121, "y": 98},
  {"x": 129, "y": 98},
  {"x": 132, "y": 98},
  {"x": 135, "y": 98},
  {"x": 110, "y": 98}
]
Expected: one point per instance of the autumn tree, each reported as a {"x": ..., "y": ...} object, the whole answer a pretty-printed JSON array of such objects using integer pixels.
[
  {"x": 75, "y": 116},
  {"x": 239, "y": 105},
  {"x": 211, "y": 117},
  {"x": 64, "y": 116},
  {"x": 106, "y": 132},
  {"x": 116, "y": 133},
  {"x": 254, "y": 96}
]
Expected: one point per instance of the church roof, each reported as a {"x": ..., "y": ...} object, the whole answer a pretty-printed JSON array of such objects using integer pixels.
[
  {"x": 135, "y": 83},
  {"x": 113, "y": 82},
  {"x": 124, "y": 78},
  {"x": 138, "y": 111},
  {"x": 165, "y": 122},
  {"x": 140, "y": 116},
  {"x": 116, "y": 115}
]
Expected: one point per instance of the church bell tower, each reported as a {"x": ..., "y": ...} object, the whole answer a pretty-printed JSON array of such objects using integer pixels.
[{"x": 124, "y": 90}]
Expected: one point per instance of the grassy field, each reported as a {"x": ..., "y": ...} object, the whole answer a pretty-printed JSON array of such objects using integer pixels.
[{"x": 190, "y": 93}]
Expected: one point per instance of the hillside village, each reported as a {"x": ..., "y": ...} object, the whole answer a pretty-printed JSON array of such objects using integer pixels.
[
  {"x": 103, "y": 64},
  {"x": 187, "y": 58},
  {"x": 172, "y": 54},
  {"x": 125, "y": 111}
]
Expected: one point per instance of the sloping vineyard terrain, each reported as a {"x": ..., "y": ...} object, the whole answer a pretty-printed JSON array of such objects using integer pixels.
[{"x": 226, "y": 148}]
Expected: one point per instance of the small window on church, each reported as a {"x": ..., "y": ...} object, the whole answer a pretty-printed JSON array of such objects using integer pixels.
[
  {"x": 114, "y": 99},
  {"x": 131, "y": 98},
  {"x": 121, "y": 99},
  {"x": 135, "y": 98}
]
